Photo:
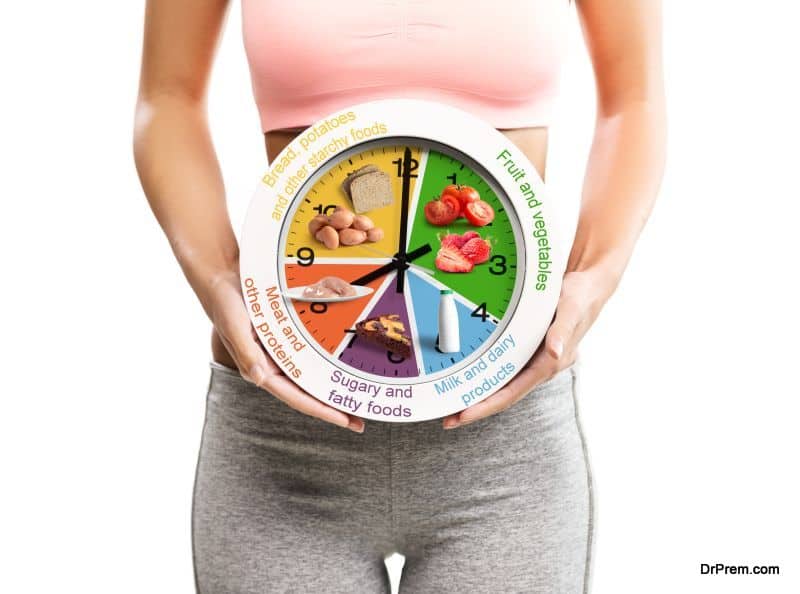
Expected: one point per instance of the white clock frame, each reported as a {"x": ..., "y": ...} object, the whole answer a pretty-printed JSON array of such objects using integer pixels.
[{"x": 406, "y": 118}]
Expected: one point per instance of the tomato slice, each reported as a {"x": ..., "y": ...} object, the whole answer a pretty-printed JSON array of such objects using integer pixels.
[
  {"x": 479, "y": 213},
  {"x": 440, "y": 213},
  {"x": 453, "y": 203}
]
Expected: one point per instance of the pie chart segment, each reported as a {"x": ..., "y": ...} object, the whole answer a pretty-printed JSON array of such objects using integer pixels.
[
  {"x": 327, "y": 194},
  {"x": 327, "y": 323},
  {"x": 491, "y": 282},
  {"x": 372, "y": 356},
  {"x": 474, "y": 328}
]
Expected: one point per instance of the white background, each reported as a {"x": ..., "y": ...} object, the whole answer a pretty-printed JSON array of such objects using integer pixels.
[{"x": 689, "y": 392}]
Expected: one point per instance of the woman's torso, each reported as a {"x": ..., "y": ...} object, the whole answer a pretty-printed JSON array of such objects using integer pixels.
[{"x": 499, "y": 61}]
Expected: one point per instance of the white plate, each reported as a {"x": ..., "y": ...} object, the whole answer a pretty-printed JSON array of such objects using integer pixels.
[{"x": 296, "y": 293}]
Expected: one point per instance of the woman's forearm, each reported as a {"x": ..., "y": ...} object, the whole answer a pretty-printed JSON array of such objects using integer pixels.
[
  {"x": 623, "y": 175},
  {"x": 181, "y": 178}
]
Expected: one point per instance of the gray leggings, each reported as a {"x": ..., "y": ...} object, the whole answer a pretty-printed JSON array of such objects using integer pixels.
[{"x": 287, "y": 503}]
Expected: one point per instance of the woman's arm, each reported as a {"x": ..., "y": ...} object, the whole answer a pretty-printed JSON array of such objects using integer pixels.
[
  {"x": 172, "y": 146},
  {"x": 181, "y": 178},
  {"x": 622, "y": 179}
]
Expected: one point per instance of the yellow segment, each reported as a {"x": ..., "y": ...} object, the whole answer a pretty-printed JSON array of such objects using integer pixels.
[{"x": 327, "y": 193}]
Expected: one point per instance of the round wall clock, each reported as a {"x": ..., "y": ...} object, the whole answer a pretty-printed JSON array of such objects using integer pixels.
[{"x": 400, "y": 260}]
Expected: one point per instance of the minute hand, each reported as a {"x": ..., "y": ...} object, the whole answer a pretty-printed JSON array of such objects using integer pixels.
[{"x": 401, "y": 251}]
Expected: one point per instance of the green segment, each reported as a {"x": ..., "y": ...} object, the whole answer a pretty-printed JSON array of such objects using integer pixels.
[{"x": 491, "y": 282}]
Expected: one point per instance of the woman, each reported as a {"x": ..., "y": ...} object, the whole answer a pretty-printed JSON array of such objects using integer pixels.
[{"x": 286, "y": 501}]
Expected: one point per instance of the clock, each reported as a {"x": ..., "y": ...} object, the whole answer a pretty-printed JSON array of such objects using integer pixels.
[{"x": 400, "y": 260}]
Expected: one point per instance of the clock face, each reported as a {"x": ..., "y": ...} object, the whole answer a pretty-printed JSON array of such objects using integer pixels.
[
  {"x": 399, "y": 260},
  {"x": 402, "y": 264}
]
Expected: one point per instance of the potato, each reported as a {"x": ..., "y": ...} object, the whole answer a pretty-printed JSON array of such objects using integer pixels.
[
  {"x": 375, "y": 234},
  {"x": 317, "y": 223},
  {"x": 341, "y": 218},
  {"x": 352, "y": 236},
  {"x": 328, "y": 236},
  {"x": 362, "y": 223}
]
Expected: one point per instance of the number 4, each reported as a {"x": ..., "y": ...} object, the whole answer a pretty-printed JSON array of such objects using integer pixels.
[{"x": 480, "y": 312}]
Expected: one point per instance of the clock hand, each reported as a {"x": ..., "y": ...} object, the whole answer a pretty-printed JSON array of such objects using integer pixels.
[
  {"x": 396, "y": 264},
  {"x": 404, "y": 202},
  {"x": 428, "y": 271},
  {"x": 418, "y": 253},
  {"x": 377, "y": 273},
  {"x": 404, "y": 263},
  {"x": 401, "y": 251}
]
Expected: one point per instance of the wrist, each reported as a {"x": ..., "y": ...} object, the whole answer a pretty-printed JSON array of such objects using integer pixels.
[
  {"x": 214, "y": 288},
  {"x": 605, "y": 270},
  {"x": 208, "y": 274}
]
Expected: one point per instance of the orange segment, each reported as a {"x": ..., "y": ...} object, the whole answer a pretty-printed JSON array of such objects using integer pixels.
[{"x": 327, "y": 322}]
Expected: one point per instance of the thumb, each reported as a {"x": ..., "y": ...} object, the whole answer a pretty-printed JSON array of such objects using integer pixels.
[{"x": 561, "y": 330}]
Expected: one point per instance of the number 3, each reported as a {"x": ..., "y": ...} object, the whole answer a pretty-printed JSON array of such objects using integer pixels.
[{"x": 498, "y": 265}]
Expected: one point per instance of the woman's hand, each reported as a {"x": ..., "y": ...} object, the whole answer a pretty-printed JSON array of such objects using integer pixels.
[
  {"x": 181, "y": 177},
  {"x": 225, "y": 306},
  {"x": 583, "y": 295}
]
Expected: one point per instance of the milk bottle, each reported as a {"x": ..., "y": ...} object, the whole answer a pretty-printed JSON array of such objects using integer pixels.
[{"x": 449, "y": 340}]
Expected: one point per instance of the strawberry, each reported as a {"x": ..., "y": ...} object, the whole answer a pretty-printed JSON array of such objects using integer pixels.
[
  {"x": 449, "y": 259},
  {"x": 477, "y": 250},
  {"x": 453, "y": 240},
  {"x": 457, "y": 241}
]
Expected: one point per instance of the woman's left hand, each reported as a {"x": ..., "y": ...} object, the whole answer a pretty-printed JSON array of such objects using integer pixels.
[{"x": 583, "y": 295}]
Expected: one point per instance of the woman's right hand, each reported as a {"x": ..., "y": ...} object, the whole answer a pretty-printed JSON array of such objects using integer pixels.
[{"x": 225, "y": 306}]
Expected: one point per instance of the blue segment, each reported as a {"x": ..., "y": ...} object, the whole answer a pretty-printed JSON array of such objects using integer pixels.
[{"x": 425, "y": 301}]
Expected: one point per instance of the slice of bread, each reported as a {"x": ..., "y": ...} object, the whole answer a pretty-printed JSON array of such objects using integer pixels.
[
  {"x": 368, "y": 188},
  {"x": 370, "y": 191},
  {"x": 354, "y": 174}
]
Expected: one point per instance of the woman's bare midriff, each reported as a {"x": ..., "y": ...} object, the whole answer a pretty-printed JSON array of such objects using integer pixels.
[{"x": 531, "y": 141}]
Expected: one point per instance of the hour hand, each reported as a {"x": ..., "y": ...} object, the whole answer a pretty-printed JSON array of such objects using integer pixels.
[
  {"x": 398, "y": 263},
  {"x": 418, "y": 252}
]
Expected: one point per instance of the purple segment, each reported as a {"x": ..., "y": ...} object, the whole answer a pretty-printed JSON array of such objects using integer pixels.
[{"x": 373, "y": 358}]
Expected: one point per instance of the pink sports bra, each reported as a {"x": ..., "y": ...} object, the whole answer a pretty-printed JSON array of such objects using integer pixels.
[{"x": 498, "y": 60}]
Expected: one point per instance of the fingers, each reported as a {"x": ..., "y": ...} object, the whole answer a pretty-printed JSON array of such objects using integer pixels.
[
  {"x": 541, "y": 368},
  {"x": 288, "y": 392},
  {"x": 262, "y": 372},
  {"x": 251, "y": 359},
  {"x": 237, "y": 334},
  {"x": 556, "y": 353},
  {"x": 562, "y": 331}
]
